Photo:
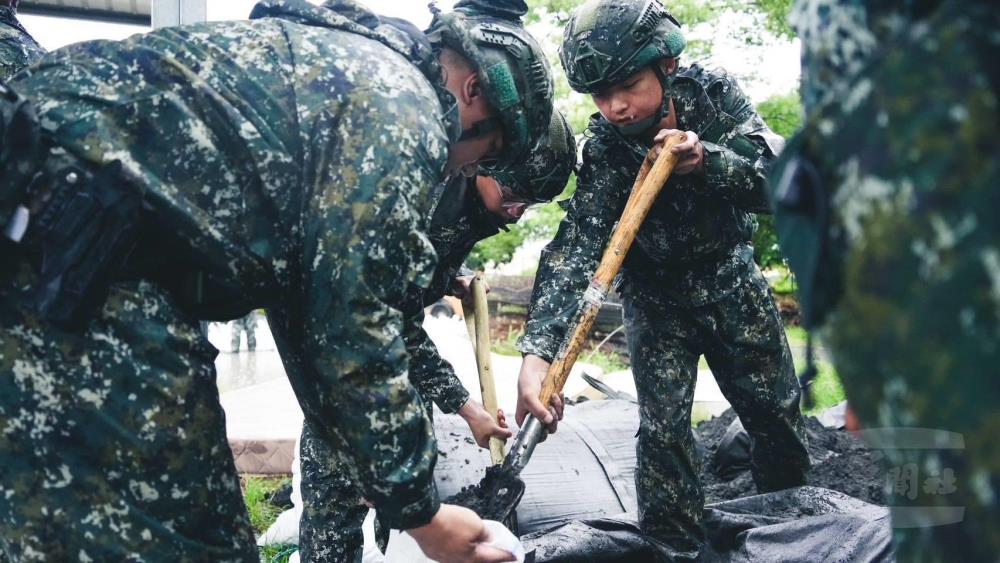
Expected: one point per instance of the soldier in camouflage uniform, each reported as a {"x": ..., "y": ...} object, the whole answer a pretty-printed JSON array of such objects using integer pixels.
[
  {"x": 333, "y": 512},
  {"x": 886, "y": 206},
  {"x": 689, "y": 284},
  {"x": 287, "y": 163},
  {"x": 18, "y": 48}
]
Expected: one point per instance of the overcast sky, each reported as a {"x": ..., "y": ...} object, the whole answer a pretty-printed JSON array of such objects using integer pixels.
[
  {"x": 774, "y": 70},
  {"x": 53, "y": 33}
]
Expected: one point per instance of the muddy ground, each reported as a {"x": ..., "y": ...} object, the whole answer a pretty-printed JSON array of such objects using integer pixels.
[{"x": 840, "y": 461}]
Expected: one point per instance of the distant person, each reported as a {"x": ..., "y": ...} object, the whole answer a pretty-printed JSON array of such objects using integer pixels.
[{"x": 247, "y": 324}]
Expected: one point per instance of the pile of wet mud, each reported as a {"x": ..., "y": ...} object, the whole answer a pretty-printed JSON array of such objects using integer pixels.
[
  {"x": 840, "y": 462},
  {"x": 493, "y": 497}
]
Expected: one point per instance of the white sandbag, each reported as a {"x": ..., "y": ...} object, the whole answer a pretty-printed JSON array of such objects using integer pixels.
[{"x": 404, "y": 549}]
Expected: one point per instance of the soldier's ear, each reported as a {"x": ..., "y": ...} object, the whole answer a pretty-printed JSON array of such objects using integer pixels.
[
  {"x": 668, "y": 65},
  {"x": 472, "y": 90}
]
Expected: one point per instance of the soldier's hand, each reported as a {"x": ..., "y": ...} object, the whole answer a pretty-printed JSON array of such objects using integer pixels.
[
  {"x": 529, "y": 386},
  {"x": 457, "y": 535},
  {"x": 482, "y": 425},
  {"x": 691, "y": 152},
  {"x": 462, "y": 288}
]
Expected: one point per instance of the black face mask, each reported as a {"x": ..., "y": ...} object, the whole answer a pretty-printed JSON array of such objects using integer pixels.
[
  {"x": 460, "y": 201},
  {"x": 453, "y": 203}
]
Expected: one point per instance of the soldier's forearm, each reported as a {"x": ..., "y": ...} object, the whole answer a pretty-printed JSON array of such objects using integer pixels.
[{"x": 736, "y": 178}]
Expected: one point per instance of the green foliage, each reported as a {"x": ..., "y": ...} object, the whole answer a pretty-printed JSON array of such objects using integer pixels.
[
  {"x": 826, "y": 389},
  {"x": 540, "y": 224},
  {"x": 796, "y": 335},
  {"x": 508, "y": 346},
  {"x": 786, "y": 284},
  {"x": 766, "y": 251},
  {"x": 782, "y": 113},
  {"x": 498, "y": 249},
  {"x": 775, "y": 16},
  {"x": 256, "y": 494},
  {"x": 538, "y": 10}
]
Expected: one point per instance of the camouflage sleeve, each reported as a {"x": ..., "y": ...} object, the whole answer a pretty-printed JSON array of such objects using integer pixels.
[
  {"x": 569, "y": 261},
  {"x": 363, "y": 248},
  {"x": 17, "y": 48},
  {"x": 431, "y": 374},
  {"x": 736, "y": 164}
]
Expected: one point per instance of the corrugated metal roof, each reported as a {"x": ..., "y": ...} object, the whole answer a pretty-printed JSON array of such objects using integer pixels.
[{"x": 131, "y": 11}]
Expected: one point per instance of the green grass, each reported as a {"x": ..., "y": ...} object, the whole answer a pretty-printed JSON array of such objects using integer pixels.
[
  {"x": 785, "y": 284},
  {"x": 826, "y": 389},
  {"x": 607, "y": 361},
  {"x": 256, "y": 492},
  {"x": 796, "y": 336},
  {"x": 507, "y": 346}
]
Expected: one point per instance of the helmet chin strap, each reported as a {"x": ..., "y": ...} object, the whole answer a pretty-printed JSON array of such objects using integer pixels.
[
  {"x": 481, "y": 127},
  {"x": 640, "y": 127}
]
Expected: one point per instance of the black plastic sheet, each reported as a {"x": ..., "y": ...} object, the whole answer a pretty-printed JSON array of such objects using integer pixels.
[{"x": 801, "y": 524}]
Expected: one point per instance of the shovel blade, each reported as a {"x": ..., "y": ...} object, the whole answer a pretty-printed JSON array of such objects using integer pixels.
[{"x": 494, "y": 498}]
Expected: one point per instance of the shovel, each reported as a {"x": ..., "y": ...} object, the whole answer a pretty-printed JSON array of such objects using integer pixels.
[{"x": 499, "y": 493}]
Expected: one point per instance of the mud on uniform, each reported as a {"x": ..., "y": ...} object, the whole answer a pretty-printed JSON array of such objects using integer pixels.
[
  {"x": 285, "y": 163},
  {"x": 690, "y": 288},
  {"x": 331, "y": 525}
]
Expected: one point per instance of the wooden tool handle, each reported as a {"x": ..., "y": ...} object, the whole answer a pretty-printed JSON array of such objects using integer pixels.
[
  {"x": 482, "y": 347},
  {"x": 648, "y": 185}
]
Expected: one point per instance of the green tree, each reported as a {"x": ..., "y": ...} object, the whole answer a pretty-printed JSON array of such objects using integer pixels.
[
  {"x": 546, "y": 20},
  {"x": 784, "y": 114}
]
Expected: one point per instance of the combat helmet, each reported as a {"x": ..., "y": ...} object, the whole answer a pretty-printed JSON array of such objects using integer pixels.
[
  {"x": 544, "y": 174},
  {"x": 511, "y": 67},
  {"x": 606, "y": 41}
]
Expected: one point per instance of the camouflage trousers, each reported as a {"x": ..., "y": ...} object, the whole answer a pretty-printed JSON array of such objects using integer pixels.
[
  {"x": 332, "y": 509},
  {"x": 113, "y": 441},
  {"x": 742, "y": 338},
  {"x": 247, "y": 324}
]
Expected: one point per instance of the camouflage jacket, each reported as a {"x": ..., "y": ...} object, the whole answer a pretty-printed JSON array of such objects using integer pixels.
[
  {"x": 886, "y": 207},
  {"x": 434, "y": 377},
  {"x": 289, "y": 163},
  {"x": 694, "y": 246},
  {"x": 18, "y": 48}
]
